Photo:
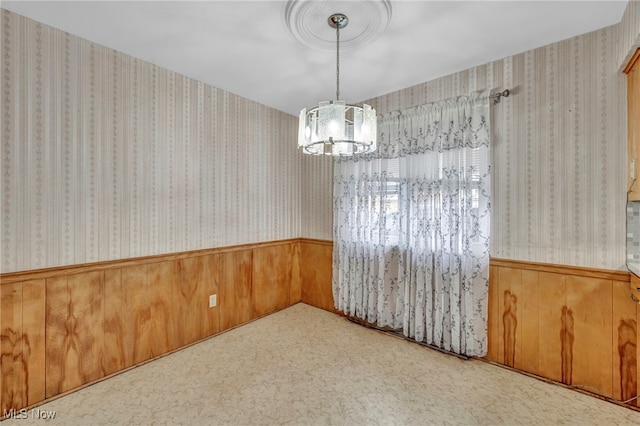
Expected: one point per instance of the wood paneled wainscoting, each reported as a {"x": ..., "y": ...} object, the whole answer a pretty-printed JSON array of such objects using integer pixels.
[
  {"x": 577, "y": 326},
  {"x": 62, "y": 328},
  {"x": 316, "y": 273}
]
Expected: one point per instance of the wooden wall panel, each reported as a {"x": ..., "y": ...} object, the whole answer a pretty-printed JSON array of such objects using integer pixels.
[
  {"x": 573, "y": 325},
  {"x": 160, "y": 284},
  {"x": 136, "y": 315},
  {"x": 316, "y": 274},
  {"x": 590, "y": 300},
  {"x": 625, "y": 343},
  {"x": 113, "y": 354},
  {"x": 5, "y": 344},
  {"x": 14, "y": 390},
  {"x": 235, "y": 288},
  {"x": 8, "y": 329},
  {"x": 57, "y": 300},
  {"x": 211, "y": 320},
  {"x": 510, "y": 318},
  {"x": 527, "y": 358},
  {"x": 551, "y": 302},
  {"x": 62, "y": 328},
  {"x": 74, "y": 327},
  {"x": 101, "y": 319},
  {"x": 197, "y": 279},
  {"x": 86, "y": 306},
  {"x": 272, "y": 273},
  {"x": 634, "y": 288},
  {"x": 295, "y": 285},
  {"x": 188, "y": 306},
  {"x": 34, "y": 348},
  {"x": 493, "y": 314},
  {"x": 22, "y": 345}
]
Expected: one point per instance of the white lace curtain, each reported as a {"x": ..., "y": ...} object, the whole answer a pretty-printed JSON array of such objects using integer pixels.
[{"x": 411, "y": 226}]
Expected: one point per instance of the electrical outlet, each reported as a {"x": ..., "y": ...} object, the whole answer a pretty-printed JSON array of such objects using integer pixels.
[{"x": 213, "y": 300}]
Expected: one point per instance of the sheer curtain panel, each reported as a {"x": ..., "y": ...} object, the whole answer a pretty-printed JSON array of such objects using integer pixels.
[{"x": 411, "y": 226}]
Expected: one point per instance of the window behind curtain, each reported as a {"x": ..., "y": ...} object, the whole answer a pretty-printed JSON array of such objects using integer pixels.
[{"x": 411, "y": 226}]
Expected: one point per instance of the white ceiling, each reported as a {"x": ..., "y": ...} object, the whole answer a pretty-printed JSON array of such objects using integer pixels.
[{"x": 245, "y": 47}]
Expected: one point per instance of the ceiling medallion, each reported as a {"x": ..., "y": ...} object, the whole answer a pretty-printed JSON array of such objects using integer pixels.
[{"x": 306, "y": 21}]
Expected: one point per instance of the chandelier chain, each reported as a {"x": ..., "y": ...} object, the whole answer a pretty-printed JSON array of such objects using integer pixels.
[{"x": 337, "y": 62}]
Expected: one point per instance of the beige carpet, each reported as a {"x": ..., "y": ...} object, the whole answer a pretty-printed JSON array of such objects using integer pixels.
[{"x": 305, "y": 366}]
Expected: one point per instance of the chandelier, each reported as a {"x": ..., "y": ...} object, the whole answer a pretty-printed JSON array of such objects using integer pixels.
[{"x": 334, "y": 127}]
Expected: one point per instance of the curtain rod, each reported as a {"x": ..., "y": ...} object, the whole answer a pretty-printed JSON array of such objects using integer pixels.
[
  {"x": 496, "y": 100},
  {"x": 505, "y": 93}
]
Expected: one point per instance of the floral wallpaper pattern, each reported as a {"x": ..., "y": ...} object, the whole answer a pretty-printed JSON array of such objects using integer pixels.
[
  {"x": 105, "y": 156},
  {"x": 559, "y": 148},
  {"x": 209, "y": 168}
]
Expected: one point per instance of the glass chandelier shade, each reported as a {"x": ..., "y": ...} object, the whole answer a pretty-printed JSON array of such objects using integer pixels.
[{"x": 334, "y": 127}]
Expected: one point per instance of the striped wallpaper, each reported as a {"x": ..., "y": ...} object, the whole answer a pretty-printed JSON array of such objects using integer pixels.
[
  {"x": 559, "y": 150},
  {"x": 316, "y": 212},
  {"x": 105, "y": 156}
]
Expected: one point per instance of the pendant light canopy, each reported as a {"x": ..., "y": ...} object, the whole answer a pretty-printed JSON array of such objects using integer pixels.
[{"x": 334, "y": 127}]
